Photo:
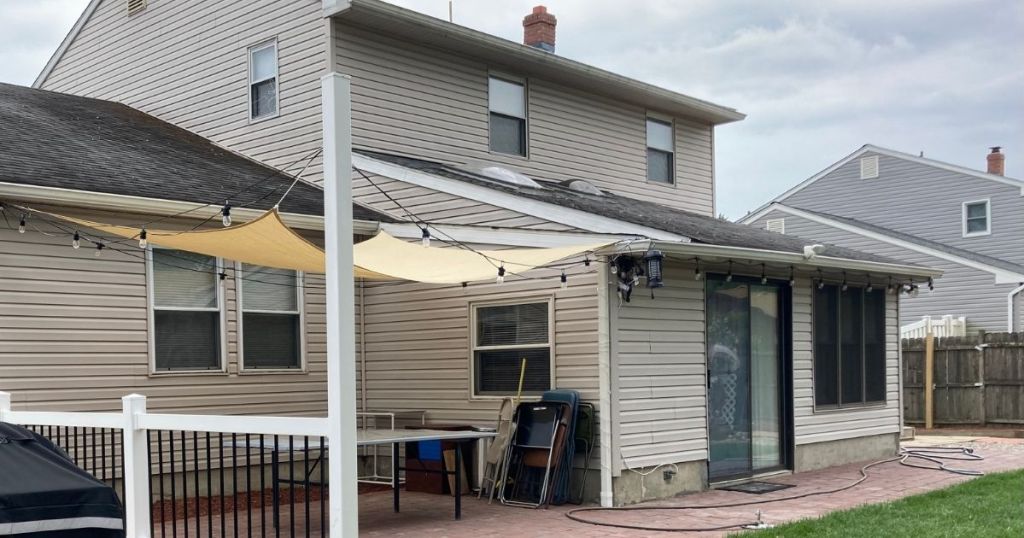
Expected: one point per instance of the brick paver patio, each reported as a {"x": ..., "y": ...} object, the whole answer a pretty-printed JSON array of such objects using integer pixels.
[{"x": 430, "y": 515}]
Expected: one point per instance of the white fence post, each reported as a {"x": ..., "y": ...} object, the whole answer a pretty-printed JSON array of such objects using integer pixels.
[
  {"x": 136, "y": 468},
  {"x": 5, "y": 404}
]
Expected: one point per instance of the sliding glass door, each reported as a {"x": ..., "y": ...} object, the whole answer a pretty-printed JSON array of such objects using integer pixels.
[{"x": 744, "y": 349}]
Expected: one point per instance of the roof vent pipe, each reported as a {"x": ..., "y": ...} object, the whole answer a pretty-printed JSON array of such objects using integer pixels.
[
  {"x": 539, "y": 29},
  {"x": 996, "y": 161}
]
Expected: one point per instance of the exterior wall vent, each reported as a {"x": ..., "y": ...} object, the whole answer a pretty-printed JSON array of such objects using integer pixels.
[
  {"x": 869, "y": 167},
  {"x": 135, "y": 6},
  {"x": 776, "y": 225}
]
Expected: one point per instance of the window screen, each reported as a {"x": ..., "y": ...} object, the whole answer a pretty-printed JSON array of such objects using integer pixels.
[
  {"x": 849, "y": 346},
  {"x": 507, "y": 103},
  {"x": 263, "y": 80},
  {"x": 271, "y": 327},
  {"x": 660, "y": 151},
  {"x": 186, "y": 311},
  {"x": 505, "y": 335}
]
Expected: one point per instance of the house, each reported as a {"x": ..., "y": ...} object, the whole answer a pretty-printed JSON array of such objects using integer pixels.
[
  {"x": 966, "y": 222},
  {"x": 733, "y": 367}
]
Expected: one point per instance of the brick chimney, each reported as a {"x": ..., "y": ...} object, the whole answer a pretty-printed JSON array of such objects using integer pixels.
[
  {"x": 996, "y": 161},
  {"x": 539, "y": 29}
]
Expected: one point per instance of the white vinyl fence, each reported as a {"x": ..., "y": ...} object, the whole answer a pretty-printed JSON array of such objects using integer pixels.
[{"x": 944, "y": 327}]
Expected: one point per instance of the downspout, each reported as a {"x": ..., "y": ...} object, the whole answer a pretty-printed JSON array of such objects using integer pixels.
[
  {"x": 362, "y": 345},
  {"x": 604, "y": 383},
  {"x": 1009, "y": 307}
]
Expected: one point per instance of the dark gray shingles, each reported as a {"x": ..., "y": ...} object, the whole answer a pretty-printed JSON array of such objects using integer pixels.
[{"x": 58, "y": 140}]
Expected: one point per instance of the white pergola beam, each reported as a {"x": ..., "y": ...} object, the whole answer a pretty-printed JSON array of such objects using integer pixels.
[{"x": 341, "y": 351}]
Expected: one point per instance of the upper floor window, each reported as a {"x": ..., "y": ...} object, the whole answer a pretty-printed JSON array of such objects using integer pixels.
[
  {"x": 186, "y": 301},
  {"x": 263, "y": 98},
  {"x": 660, "y": 151},
  {"x": 271, "y": 325},
  {"x": 849, "y": 346},
  {"x": 977, "y": 218},
  {"x": 507, "y": 104},
  {"x": 505, "y": 335}
]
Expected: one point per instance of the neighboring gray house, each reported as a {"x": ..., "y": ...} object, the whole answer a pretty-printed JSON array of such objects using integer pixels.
[{"x": 966, "y": 222}]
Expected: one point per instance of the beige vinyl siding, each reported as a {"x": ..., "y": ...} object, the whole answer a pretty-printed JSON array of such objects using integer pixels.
[
  {"x": 438, "y": 207},
  {"x": 74, "y": 329},
  {"x": 419, "y": 101},
  {"x": 659, "y": 352},
  {"x": 812, "y": 426},
  {"x": 418, "y": 343},
  {"x": 187, "y": 63}
]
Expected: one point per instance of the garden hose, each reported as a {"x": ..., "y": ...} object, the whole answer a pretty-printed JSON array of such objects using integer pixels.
[{"x": 931, "y": 454}]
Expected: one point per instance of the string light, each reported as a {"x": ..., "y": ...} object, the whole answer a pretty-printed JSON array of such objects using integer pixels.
[
  {"x": 931, "y": 284},
  {"x": 225, "y": 214},
  {"x": 501, "y": 274},
  {"x": 143, "y": 243},
  {"x": 792, "y": 277},
  {"x": 764, "y": 277},
  {"x": 697, "y": 275},
  {"x": 728, "y": 276},
  {"x": 845, "y": 285},
  {"x": 586, "y": 260},
  {"x": 613, "y": 267},
  {"x": 223, "y": 276},
  {"x": 21, "y": 224},
  {"x": 425, "y": 241},
  {"x": 99, "y": 249},
  {"x": 76, "y": 241},
  {"x": 870, "y": 288},
  {"x": 821, "y": 280},
  {"x": 565, "y": 281}
]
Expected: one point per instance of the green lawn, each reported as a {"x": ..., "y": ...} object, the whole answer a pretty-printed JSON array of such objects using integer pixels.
[{"x": 990, "y": 506}]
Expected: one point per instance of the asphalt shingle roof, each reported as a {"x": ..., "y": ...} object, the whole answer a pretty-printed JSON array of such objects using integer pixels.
[
  {"x": 910, "y": 238},
  {"x": 699, "y": 228},
  {"x": 58, "y": 140}
]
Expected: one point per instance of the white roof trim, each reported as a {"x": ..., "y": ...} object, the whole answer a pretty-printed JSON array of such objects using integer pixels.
[
  {"x": 543, "y": 210},
  {"x": 1002, "y": 276},
  {"x": 154, "y": 206},
  {"x": 754, "y": 215},
  {"x": 68, "y": 39},
  {"x": 486, "y": 235}
]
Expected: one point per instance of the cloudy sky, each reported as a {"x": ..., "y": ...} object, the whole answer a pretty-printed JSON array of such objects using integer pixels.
[{"x": 817, "y": 79}]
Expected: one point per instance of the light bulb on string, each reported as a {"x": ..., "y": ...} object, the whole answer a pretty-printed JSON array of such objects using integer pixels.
[
  {"x": 99, "y": 249},
  {"x": 764, "y": 277},
  {"x": 792, "y": 277},
  {"x": 870, "y": 288},
  {"x": 931, "y": 284},
  {"x": 76, "y": 241},
  {"x": 143, "y": 242},
  {"x": 845, "y": 285},
  {"x": 728, "y": 276},
  {"x": 697, "y": 275},
  {"x": 425, "y": 241},
  {"x": 890, "y": 289},
  {"x": 565, "y": 280},
  {"x": 501, "y": 275},
  {"x": 21, "y": 225},
  {"x": 821, "y": 280},
  {"x": 586, "y": 260},
  {"x": 225, "y": 214}
]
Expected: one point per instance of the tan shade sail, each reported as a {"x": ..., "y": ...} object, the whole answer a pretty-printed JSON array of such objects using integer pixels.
[{"x": 269, "y": 242}]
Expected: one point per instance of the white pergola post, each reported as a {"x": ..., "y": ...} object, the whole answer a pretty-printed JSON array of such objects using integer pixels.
[
  {"x": 341, "y": 350},
  {"x": 135, "y": 451}
]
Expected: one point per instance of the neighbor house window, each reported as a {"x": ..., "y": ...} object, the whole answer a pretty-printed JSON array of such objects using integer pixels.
[
  {"x": 849, "y": 346},
  {"x": 263, "y": 81},
  {"x": 660, "y": 151},
  {"x": 507, "y": 102},
  {"x": 977, "y": 218},
  {"x": 271, "y": 324},
  {"x": 503, "y": 336},
  {"x": 186, "y": 301}
]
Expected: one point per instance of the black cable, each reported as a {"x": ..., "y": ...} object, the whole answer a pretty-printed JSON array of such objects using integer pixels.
[{"x": 931, "y": 454}]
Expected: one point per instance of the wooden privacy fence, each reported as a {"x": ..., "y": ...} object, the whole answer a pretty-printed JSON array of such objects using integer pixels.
[{"x": 978, "y": 380}]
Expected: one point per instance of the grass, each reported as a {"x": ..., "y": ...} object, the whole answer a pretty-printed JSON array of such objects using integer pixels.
[{"x": 990, "y": 506}]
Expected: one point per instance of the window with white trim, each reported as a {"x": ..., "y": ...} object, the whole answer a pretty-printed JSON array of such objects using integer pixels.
[
  {"x": 263, "y": 98},
  {"x": 271, "y": 319},
  {"x": 660, "y": 151},
  {"x": 507, "y": 105},
  {"x": 976, "y": 218},
  {"x": 186, "y": 302},
  {"x": 503, "y": 336}
]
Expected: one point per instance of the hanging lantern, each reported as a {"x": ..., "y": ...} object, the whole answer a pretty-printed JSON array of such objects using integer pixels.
[{"x": 653, "y": 259}]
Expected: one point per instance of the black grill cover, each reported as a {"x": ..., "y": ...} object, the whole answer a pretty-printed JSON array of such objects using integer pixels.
[{"x": 44, "y": 494}]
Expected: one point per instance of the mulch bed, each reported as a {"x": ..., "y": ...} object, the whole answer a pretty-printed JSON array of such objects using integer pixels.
[{"x": 165, "y": 509}]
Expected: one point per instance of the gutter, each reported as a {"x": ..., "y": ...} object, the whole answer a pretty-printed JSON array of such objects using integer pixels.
[
  {"x": 715, "y": 252},
  {"x": 1009, "y": 307},
  {"x": 604, "y": 382},
  {"x": 157, "y": 206}
]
